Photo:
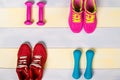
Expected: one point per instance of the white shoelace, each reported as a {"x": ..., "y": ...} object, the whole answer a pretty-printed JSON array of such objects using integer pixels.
[
  {"x": 36, "y": 61},
  {"x": 22, "y": 62}
]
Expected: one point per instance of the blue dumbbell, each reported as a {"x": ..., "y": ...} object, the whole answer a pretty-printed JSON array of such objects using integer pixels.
[
  {"x": 76, "y": 72},
  {"x": 88, "y": 72}
]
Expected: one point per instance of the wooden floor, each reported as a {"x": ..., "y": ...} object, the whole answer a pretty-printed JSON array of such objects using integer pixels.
[
  {"x": 56, "y": 17},
  {"x": 105, "y": 58}
]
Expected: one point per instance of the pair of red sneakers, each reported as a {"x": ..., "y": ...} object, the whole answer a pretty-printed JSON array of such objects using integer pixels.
[{"x": 31, "y": 66}]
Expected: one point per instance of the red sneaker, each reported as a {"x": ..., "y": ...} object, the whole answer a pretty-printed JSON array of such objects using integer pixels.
[
  {"x": 38, "y": 61},
  {"x": 23, "y": 62}
]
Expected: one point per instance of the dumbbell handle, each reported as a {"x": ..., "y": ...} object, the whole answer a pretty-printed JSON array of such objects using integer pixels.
[
  {"x": 28, "y": 13},
  {"x": 76, "y": 72},
  {"x": 41, "y": 13},
  {"x": 88, "y": 71}
]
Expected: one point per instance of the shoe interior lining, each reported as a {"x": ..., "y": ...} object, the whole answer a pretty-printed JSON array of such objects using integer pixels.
[
  {"x": 90, "y": 6},
  {"x": 22, "y": 76},
  {"x": 77, "y": 5},
  {"x": 35, "y": 73}
]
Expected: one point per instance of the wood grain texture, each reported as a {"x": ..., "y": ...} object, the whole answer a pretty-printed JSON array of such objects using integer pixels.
[
  {"x": 62, "y": 58},
  {"x": 56, "y": 17}
]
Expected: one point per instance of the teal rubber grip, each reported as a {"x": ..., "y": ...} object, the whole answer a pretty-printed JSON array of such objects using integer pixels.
[
  {"x": 76, "y": 71},
  {"x": 88, "y": 72}
]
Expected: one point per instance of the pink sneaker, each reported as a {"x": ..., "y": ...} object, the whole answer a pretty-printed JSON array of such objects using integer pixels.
[
  {"x": 90, "y": 20},
  {"x": 76, "y": 16}
]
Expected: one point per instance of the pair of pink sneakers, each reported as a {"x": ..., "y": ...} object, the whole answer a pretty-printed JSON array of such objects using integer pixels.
[
  {"x": 31, "y": 66},
  {"x": 82, "y": 13}
]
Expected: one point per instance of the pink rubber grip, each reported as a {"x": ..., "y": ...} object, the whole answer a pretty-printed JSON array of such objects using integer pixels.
[
  {"x": 41, "y": 20},
  {"x": 28, "y": 14}
]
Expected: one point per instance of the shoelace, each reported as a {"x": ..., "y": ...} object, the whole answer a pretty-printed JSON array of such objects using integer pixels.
[
  {"x": 22, "y": 62},
  {"x": 37, "y": 61},
  {"x": 89, "y": 18},
  {"x": 76, "y": 17}
]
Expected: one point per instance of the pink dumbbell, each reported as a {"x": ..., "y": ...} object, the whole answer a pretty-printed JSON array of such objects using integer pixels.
[
  {"x": 28, "y": 14},
  {"x": 41, "y": 13}
]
